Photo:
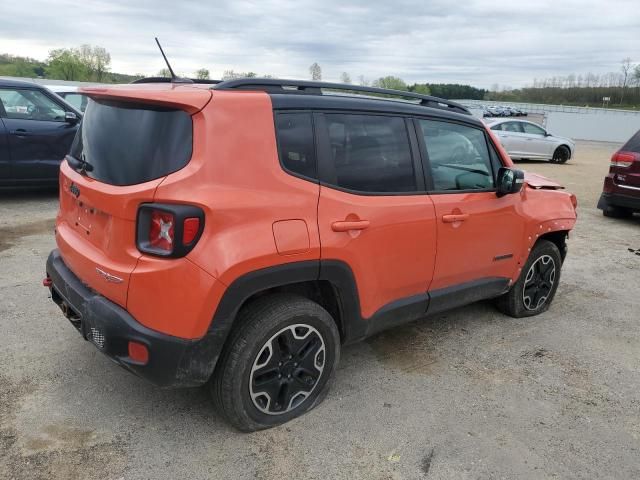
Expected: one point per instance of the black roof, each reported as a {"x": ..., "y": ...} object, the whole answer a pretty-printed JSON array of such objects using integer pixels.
[
  {"x": 339, "y": 90},
  {"x": 18, "y": 83},
  {"x": 364, "y": 104}
]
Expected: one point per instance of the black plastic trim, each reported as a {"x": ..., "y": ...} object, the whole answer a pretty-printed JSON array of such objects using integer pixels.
[
  {"x": 469, "y": 292},
  {"x": 616, "y": 199},
  {"x": 353, "y": 326},
  {"x": 173, "y": 361}
]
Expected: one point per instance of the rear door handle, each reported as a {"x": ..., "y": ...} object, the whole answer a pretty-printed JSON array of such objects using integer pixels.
[
  {"x": 345, "y": 226},
  {"x": 453, "y": 218},
  {"x": 20, "y": 132}
]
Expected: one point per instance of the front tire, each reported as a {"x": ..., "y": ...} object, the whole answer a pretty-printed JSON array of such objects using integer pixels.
[
  {"x": 561, "y": 155},
  {"x": 277, "y": 363},
  {"x": 535, "y": 289}
]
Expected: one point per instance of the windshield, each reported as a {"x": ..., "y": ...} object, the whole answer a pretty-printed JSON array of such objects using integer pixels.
[{"x": 129, "y": 143}]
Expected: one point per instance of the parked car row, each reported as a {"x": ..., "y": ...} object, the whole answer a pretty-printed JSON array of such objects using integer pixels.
[{"x": 502, "y": 111}]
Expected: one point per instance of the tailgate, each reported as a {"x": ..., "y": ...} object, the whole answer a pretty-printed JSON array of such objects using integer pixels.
[{"x": 95, "y": 230}]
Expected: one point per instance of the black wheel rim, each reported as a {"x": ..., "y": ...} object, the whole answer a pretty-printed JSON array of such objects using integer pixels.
[
  {"x": 561, "y": 155},
  {"x": 539, "y": 282},
  {"x": 287, "y": 369}
]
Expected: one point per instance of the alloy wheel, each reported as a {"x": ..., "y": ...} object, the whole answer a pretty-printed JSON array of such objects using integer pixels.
[
  {"x": 287, "y": 369},
  {"x": 538, "y": 283}
]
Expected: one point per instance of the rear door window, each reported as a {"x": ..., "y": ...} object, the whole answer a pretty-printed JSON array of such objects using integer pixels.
[
  {"x": 633, "y": 144},
  {"x": 458, "y": 156},
  {"x": 130, "y": 143},
  {"x": 370, "y": 153},
  {"x": 532, "y": 129}
]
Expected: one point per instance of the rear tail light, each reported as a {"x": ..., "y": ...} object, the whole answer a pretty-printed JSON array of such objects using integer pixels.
[
  {"x": 168, "y": 230},
  {"x": 162, "y": 230},
  {"x": 623, "y": 159},
  {"x": 191, "y": 227}
]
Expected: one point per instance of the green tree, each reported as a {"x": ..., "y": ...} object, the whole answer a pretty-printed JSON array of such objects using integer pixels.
[
  {"x": 390, "y": 82},
  {"x": 66, "y": 64},
  {"x": 315, "y": 71},
  {"x": 202, "y": 74},
  {"x": 96, "y": 61},
  {"x": 164, "y": 72},
  {"x": 421, "y": 88}
]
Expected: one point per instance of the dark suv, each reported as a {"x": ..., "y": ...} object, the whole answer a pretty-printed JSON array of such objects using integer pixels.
[
  {"x": 621, "y": 191},
  {"x": 36, "y": 131}
]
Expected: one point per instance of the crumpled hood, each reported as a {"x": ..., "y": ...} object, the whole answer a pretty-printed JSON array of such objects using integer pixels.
[{"x": 538, "y": 181}]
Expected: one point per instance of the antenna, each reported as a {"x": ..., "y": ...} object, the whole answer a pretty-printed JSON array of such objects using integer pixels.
[{"x": 174, "y": 77}]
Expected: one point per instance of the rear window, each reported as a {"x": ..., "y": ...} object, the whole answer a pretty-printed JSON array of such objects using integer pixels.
[
  {"x": 130, "y": 143},
  {"x": 633, "y": 145}
]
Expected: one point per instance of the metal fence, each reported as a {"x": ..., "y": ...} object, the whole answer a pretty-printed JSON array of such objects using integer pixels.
[{"x": 580, "y": 123}]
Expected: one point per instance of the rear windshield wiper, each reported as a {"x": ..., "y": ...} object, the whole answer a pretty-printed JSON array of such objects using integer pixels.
[{"x": 81, "y": 166}]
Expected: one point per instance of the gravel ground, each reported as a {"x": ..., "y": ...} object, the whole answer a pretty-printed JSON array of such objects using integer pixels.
[{"x": 467, "y": 394}]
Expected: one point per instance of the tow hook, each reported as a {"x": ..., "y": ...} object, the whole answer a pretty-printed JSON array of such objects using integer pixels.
[{"x": 47, "y": 282}]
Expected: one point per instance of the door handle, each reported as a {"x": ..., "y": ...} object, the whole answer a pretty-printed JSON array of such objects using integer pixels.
[
  {"x": 453, "y": 218},
  {"x": 20, "y": 132},
  {"x": 345, "y": 226}
]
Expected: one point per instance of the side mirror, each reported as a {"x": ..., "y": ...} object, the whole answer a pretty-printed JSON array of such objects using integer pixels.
[
  {"x": 547, "y": 134},
  {"x": 71, "y": 117},
  {"x": 509, "y": 181}
]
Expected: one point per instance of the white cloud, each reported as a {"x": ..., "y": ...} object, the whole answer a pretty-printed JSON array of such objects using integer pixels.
[{"x": 479, "y": 42}]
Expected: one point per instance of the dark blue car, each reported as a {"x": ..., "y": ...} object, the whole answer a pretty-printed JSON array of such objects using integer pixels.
[{"x": 36, "y": 131}]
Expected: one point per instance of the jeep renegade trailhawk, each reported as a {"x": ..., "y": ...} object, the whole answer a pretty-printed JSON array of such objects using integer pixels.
[{"x": 237, "y": 234}]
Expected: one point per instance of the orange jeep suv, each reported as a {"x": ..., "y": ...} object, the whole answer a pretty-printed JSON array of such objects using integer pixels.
[{"x": 237, "y": 234}]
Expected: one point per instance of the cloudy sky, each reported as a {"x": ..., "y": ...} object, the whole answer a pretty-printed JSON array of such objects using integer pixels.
[{"x": 480, "y": 42}]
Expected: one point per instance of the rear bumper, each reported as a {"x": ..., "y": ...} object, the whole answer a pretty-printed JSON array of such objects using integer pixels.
[
  {"x": 619, "y": 200},
  {"x": 173, "y": 362}
]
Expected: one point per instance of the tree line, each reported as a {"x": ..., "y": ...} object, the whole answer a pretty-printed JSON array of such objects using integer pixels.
[
  {"x": 85, "y": 63},
  {"x": 622, "y": 88}
]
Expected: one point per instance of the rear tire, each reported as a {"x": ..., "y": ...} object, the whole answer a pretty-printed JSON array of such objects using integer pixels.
[
  {"x": 277, "y": 362},
  {"x": 614, "y": 211},
  {"x": 534, "y": 291},
  {"x": 561, "y": 155}
]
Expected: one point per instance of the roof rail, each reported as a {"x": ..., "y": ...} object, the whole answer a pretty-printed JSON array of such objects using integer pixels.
[
  {"x": 169, "y": 80},
  {"x": 272, "y": 85}
]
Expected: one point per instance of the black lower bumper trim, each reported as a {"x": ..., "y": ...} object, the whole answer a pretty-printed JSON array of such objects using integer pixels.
[
  {"x": 618, "y": 200},
  {"x": 173, "y": 362}
]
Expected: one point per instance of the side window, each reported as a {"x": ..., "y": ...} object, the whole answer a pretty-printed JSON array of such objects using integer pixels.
[
  {"x": 370, "y": 153},
  {"x": 534, "y": 129},
  {"x": 497, "y": 127},
  {"x": 295, "y": 143},
  {"x": 512, "y": 127},
  {"x": 77, "y": 100},
  {"x": 496, "y": 161},
  {"x": 26, "y": 104},
  {"x": 458, "y": 156}
]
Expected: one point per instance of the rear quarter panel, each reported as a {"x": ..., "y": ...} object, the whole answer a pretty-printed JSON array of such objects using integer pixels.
[{"x": 236, "y": 178}]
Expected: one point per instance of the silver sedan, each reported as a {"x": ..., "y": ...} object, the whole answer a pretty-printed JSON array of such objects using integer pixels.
[{"x": 527, "y": 140}]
